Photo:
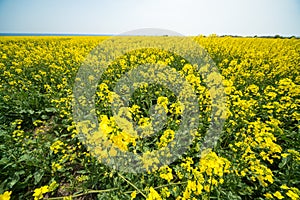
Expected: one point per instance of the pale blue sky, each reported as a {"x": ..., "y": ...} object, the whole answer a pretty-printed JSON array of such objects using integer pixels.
[{"x": 188, "y": 17}]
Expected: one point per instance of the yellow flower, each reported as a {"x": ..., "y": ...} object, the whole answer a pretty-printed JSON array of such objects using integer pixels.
[
  {"x": 278, "y": 195},
  {"x": 57, "y": 145},
  {"x": 53, "y": 185},
  {"x": 133, "y": 195},
  {"x": 153, "y": 195},
  {"x": 253, "y": 88},
  {"x": 5, "y": 195},
  {"x": 191, "y": 186},
  {"x": 82, "y": 178},
  {"x": 56, "y": 166},
  {"x": 268, "y": 196},
  {"x": 269, "y": 178},
  {"x": 38, "y": 193},
  {"x": 292, "y": 195},
  {"x": 207, "y": 188},
  {"x": 163, "y": 101},
  {"x": 166, "y": 173},
  {"x": 177, "y": 108},
  {"x": 284, "y": 155},
  {"x": 284, "y": 187},
  {"x": 167, "y": 137},
  {"x": 186, "y": 194},
  {"x": 165, "y": 192}
]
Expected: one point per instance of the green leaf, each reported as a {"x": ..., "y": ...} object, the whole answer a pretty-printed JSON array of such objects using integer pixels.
[
  {"x": 38, "y": 176},
  {"x": 283, "y": 162},
  {"x": 4, "y": 161},
  {"x": 30, "y": 112},
  {"x": 44, "y": 117},
  {"x": 233, "y": 196},
  {"x": 14, "y": 180},
  {"x": 24, "y": 158},
  {"x": 50, "y": 109}
]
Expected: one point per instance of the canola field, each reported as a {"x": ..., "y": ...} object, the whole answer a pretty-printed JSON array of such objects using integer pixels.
[{"x": 47, "y": 153}]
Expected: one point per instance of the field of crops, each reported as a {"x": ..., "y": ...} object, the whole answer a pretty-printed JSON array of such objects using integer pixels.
[{"x": 130, "y": 152}]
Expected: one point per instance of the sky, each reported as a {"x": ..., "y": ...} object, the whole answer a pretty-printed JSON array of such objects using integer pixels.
[{"x": 187, "y": 17}]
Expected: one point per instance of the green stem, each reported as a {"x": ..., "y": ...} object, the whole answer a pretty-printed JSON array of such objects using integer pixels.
[
  {"x": 113, "y": 189},
  {"x": 132, "y": 185},
  {"x": 85, "y": 193},
  {"x": 210, "y": 186},
  {"x": 166, "y": 185},
  {"x": 170, "y": 184}
]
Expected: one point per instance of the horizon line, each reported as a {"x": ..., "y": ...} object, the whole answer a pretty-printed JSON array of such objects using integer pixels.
[{"x": 107, "y": 34}]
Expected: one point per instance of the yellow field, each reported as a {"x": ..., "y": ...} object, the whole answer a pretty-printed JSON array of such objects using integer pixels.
[{"x": 47, "y": 152}]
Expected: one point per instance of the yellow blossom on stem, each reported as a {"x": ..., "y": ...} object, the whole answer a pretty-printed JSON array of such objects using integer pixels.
[{"x": 5, "y": 195}]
